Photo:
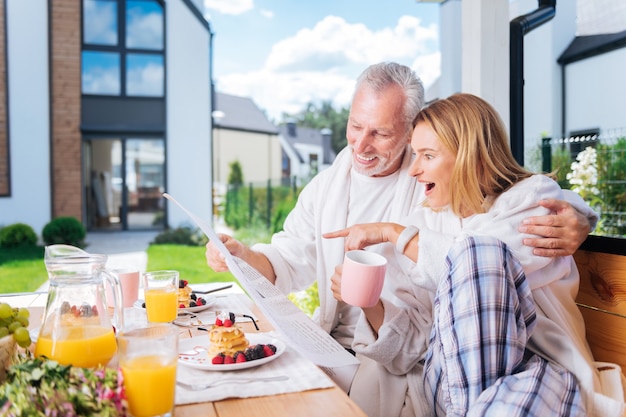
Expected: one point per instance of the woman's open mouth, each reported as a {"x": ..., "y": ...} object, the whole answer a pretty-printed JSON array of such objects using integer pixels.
[{"x": 429, "y": 187}]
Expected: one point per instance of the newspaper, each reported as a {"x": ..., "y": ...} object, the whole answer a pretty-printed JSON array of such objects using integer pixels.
[{"x": 303, "y": 333}]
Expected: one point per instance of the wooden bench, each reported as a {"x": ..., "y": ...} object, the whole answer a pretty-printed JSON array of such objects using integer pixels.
[{"x": 602, "y": 297}]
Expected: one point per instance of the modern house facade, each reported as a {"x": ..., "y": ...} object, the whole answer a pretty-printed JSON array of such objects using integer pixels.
[
  {"x": 572, "y": 76},
  {"x": 242, "y": 133},
  {"x": 104, "y": 105}
]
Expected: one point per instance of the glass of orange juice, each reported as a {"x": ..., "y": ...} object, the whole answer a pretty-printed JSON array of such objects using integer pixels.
[
  {"x": 161, "y": 293},
  {"x": 148, "y": 357}
]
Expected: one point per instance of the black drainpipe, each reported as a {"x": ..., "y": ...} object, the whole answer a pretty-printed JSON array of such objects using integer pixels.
[{"x": 517, "y": 29}]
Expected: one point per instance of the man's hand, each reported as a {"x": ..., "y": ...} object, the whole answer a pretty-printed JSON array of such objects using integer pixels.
[
  {"x": 360, "y": 236},
  {"x": 563, "y": 231},
  {"x": 215, "y": 259}
]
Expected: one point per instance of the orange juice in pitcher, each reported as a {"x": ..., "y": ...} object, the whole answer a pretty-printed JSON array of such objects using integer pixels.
[
  {"x": 76, "y": 328},
  {"x": 82, "y": 346}
]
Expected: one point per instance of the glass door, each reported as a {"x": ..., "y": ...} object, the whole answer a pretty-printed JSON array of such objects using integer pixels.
[
  {"x": 124, "y": 182},
  {"x": 103, "y": 183},
  {"x": 145, "y": 183}
]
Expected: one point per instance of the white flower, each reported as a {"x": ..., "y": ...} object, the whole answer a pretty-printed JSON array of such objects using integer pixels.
[{"x": 584, "y": 175}]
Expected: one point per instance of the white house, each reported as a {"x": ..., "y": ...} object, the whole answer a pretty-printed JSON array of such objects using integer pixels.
[
  {"x": 306, "y": 151},
  {"x": 243, "y": 133},
  {"x": 107, "y": 106},
  {"x": 573, "y": 64}
]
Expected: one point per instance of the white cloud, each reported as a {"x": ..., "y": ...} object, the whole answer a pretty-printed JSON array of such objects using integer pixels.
[
  {"x": 233, "y": 7},
  {"x": 427, "y": 67},
  {"x": 288, "y": 92},
  {"x": 267, "y": 13},
  {"x": 323, "y": 62},
  {"x": 102, "y": 18},
  {"x": 335, "y": 42},
  {"x": 145, "y": 80},
  {"x": 144, "y": 30}
]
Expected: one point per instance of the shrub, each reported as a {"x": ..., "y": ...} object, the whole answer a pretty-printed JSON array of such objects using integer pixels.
[
  {"x": 64, "y": 230},
  {"x": 181, "y": 236},
  {"x": 17, "y": 235},
  {"x": 561, "y": 163}
]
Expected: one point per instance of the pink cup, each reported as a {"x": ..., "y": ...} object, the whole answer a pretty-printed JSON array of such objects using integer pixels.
[
  {"x": 362, "y": 278},
  {"x": 129, "y": 283}
]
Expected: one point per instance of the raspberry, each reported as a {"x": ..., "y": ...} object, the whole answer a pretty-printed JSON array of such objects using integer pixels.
[
  {"x": 218, "y": 360},
  {"x": 185, "y": 283},
  {"x": 228, "y": 323},
  {"x": 181, "y": 305},
  {"x": 229, "y": 359},
  {"x": 200, "y": 301},
  {"x": 267, "y": 351},
  {"x": 218, "y": 322},
  {"x": 272, "y": 347},
  {"x": 240, "y": 357}
]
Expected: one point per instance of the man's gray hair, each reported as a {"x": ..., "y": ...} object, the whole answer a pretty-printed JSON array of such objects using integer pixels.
[{"x": 382, "y": 75}]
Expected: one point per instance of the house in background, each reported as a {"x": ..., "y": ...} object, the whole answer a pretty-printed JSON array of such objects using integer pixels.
[
  {"x": 573, "y": 77},
  {"x": 306, "y": 151},
  {"x": 243, "y": 133},
  {"x": 105, "y": 107}
]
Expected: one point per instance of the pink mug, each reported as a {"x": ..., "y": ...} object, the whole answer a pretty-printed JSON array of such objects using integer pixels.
[
  {"x": 129, "y": 283},
  {"x": 362, "y": 278}
]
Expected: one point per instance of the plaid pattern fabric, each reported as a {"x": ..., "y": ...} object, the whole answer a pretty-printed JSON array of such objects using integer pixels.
[{"x": 477, "y": 363}]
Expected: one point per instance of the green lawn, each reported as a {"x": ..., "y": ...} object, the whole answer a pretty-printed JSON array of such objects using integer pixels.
[
  {"x": 188, "y": 260},
  {"x": 24, "y": 270}
]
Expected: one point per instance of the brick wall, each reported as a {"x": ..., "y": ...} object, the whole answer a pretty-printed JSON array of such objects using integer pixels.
[
  {"x": 5, "y": 186},
  {"x": 65, "y": 104}
]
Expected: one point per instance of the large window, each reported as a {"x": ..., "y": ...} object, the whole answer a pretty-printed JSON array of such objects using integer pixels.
[{"x": 123, "y": 47}]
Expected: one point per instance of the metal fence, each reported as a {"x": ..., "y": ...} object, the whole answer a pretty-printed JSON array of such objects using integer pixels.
[{"x": 259, "y": 204}]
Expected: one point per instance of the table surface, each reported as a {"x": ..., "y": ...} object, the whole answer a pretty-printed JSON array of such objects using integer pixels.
[{"x": 319, "y": 402}]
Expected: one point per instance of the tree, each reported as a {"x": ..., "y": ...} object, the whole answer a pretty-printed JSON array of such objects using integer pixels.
[
  {"x": 235, "y": 175},
  {"x": 324, "y": 116}
]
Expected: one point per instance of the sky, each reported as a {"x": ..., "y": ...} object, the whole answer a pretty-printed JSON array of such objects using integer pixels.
[{"x": 284, "y": 54}]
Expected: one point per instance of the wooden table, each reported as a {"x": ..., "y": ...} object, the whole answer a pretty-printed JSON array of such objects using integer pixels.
[{"x": 326, "y": 402}]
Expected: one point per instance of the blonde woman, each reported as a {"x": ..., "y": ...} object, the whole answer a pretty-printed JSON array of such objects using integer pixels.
[{"x": 506, "y": 337}]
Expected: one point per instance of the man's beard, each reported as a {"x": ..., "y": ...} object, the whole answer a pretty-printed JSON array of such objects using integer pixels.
[{"x": 383, "y": 163}]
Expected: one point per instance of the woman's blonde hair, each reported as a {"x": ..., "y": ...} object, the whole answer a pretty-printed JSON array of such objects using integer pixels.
[{"x": 472, "y": 129}]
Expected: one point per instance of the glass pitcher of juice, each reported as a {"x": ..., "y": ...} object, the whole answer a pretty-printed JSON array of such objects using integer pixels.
[{"x": 76, "y": 328}]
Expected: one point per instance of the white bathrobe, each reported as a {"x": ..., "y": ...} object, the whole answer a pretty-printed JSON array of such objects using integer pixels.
[
  {"x": 559, "y": 335},
  {"x": 300, "y": 255}
]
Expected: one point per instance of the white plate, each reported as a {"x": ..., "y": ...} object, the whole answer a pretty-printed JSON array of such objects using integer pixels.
[
  {"x": 194, "y": 353},
  {"x": 196, "y": 309}
]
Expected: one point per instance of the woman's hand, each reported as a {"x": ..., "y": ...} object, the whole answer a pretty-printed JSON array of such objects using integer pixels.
[{"x": 335, "y": 283}]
